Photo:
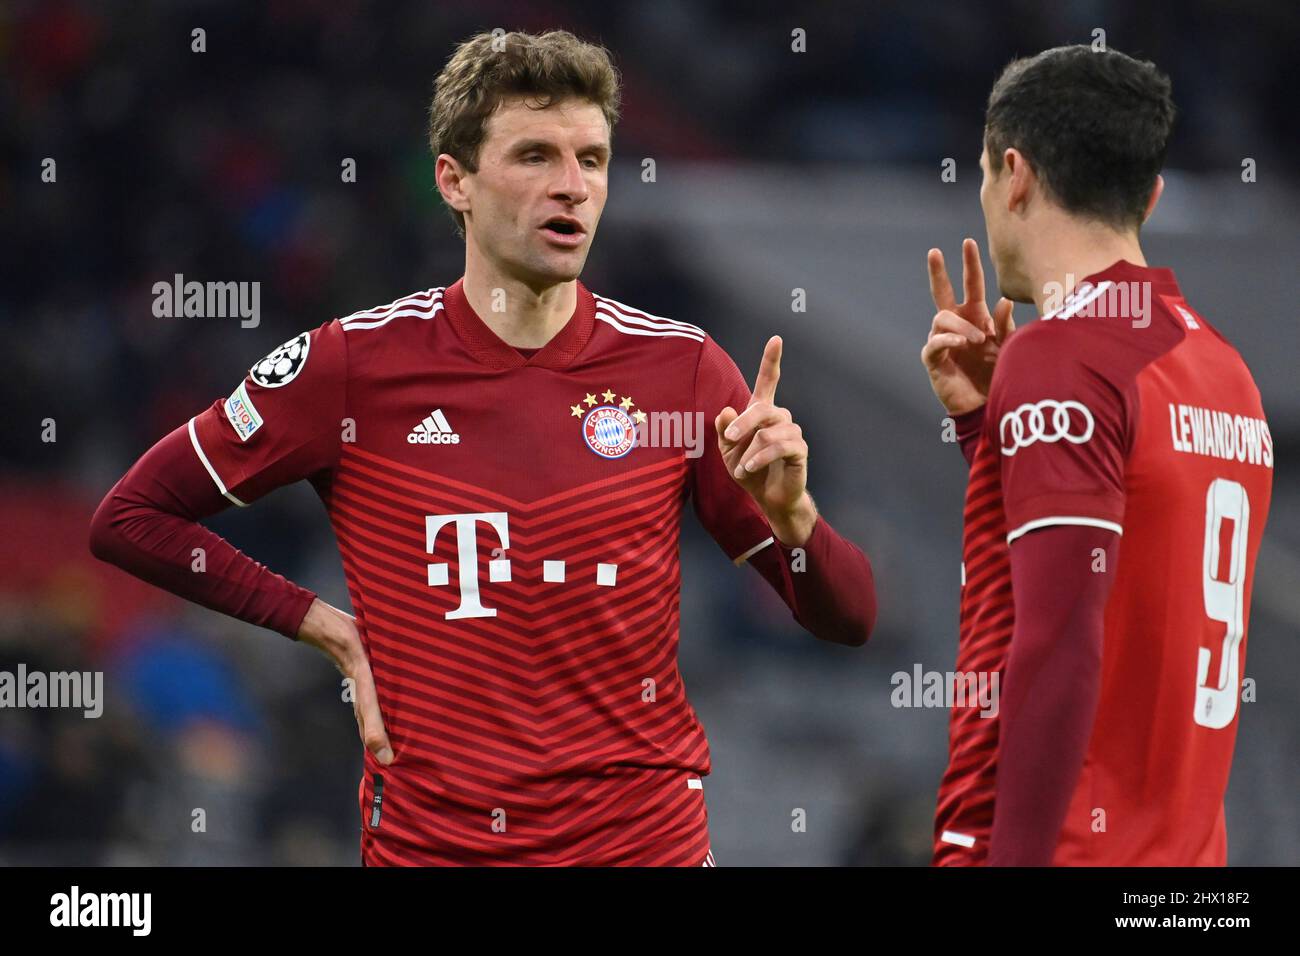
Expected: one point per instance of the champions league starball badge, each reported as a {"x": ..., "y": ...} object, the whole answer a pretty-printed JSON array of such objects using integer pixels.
[
  {"x": 609, "y": 430},
  {"x": 283, "y": 365}
]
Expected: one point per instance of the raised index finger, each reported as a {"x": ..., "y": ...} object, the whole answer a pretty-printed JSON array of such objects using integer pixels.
[
  {"x": 940, "y": 287},
  {"x": 769, "y": 372}
]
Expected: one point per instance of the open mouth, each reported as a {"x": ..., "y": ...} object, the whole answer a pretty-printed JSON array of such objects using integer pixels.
[{"x": 563, "y": 227}]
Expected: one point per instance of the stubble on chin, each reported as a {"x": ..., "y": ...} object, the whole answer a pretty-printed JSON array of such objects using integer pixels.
[{"x": 1011, "y": 282}]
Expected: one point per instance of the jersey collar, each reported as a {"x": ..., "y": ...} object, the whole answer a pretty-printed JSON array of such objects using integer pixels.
[
  {"x": 1124, "y": 271},
  {"x": 488, "y": 347}
]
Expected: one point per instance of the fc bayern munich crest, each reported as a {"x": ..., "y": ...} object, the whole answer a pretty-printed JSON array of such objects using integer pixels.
[{"x": 609, "y": 429}]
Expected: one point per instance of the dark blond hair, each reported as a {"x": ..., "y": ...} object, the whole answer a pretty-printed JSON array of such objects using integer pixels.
[{"x": 489, "y": 67}]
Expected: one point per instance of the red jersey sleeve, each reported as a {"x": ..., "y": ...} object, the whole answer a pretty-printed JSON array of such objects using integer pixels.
[
  {"x": 830, "y": 589},
  {"x": 283, "y": 422},
  {"x": 726, "y": 510},
  {"x": 1063, "y": 428}
]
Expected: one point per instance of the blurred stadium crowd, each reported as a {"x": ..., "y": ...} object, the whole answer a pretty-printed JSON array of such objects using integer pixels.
[{"x": 225, "y": 165}]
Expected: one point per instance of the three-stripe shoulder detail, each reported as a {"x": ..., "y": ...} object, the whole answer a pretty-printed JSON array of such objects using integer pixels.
[
  {"x": 632, "y": 321},
  {"x": 420, "y": 305}
]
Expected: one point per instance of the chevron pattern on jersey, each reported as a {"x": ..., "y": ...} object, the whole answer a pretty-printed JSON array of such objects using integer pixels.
[{"x": 560, "y": 721}]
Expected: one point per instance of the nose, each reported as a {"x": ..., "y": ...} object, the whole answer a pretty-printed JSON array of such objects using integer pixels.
[{"x": 570, "y": 185}]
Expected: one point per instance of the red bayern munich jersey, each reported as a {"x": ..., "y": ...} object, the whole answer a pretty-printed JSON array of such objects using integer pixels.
[
  {"x": 1124, "y": 410},
  {"x": 512, "y": 561}
]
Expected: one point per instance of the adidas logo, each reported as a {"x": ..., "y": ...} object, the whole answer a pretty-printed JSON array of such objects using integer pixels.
[{"x": 434, "y": 430}]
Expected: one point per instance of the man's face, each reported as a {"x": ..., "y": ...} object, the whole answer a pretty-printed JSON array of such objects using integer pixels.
[
  {"x": 540, "y": 188},
  {"x": 1002, "y": 231}
]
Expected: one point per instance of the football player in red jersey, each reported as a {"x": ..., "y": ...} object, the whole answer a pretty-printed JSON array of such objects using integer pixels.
[
  {"x": 1120, "y": 475},
  {"x": 505, "y": 461}
]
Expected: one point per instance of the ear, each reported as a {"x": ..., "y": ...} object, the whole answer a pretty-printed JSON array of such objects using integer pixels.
[
  {"x": 1156, "y": 193},
  {"x": 450, "y": 176},
  {"x": 1023, "y": 180}
]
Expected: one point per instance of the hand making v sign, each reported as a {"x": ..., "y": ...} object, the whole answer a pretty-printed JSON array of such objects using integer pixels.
[{"x": 964, "y": 339}]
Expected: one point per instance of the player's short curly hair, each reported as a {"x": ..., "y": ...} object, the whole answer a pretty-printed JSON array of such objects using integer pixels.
[
  {"x": 1093, "y": 124},
  {"x": 490, "y": 67}
]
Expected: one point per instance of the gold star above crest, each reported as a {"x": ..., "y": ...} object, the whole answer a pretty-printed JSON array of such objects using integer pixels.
[
  {"x": 608, "y": 395},
  {"x": 639, "y": 416},
  {"x": 576, "y": 410},
  {"x": 625, "y": 404},
  {"x": 590, "y": 400}
]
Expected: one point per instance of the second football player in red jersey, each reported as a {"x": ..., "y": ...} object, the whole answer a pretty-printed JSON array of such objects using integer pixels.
[
  {"x": 1121, "y": 469},
  {"x": 505, "y": 461}
]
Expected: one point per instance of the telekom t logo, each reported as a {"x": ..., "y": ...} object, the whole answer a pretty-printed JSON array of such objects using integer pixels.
[
  {"x": 553, "y": 571},
  {"x": 467, "y": 556}
]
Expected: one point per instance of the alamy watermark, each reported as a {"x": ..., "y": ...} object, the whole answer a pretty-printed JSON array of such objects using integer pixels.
[
  {"x": 673, "y": 430},
  {"x": 133, "y": 911},
  {"x": 1106, "y": 299},
  {"x": 82, "y": 690},
  {"x": 922, "y": 688},
  {"x": 208, "y": 300}
]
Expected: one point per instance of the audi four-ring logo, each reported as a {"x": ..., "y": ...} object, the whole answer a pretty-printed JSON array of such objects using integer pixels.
[{"x": 1029, "y": 423}]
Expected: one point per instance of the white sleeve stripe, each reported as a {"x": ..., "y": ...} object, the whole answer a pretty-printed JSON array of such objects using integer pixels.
[
  {"x": 753, "y": 551},
  {"x": 1064, "y": 519},
  {"x": 663, "y": 333},
  {"x": 194, "y": 440}
]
